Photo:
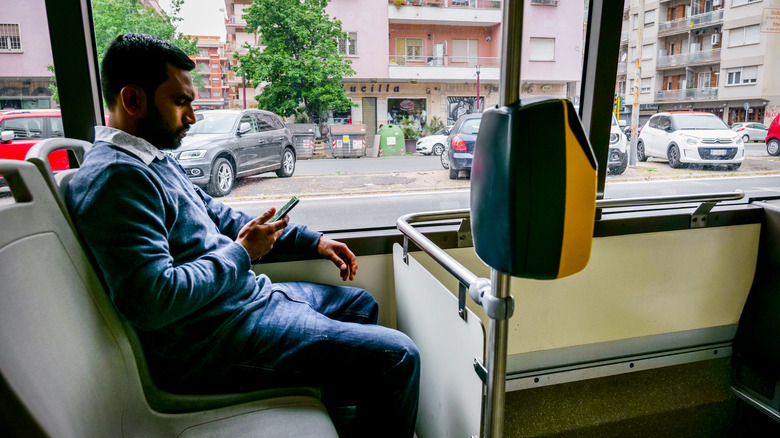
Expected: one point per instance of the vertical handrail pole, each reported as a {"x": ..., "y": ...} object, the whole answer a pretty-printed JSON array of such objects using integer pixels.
[
  {"x": 496, "y": 361},
  {"x": 509, "y": 87}
]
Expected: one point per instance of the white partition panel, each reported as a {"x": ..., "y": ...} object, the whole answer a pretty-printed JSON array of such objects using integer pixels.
[{"x": 450, "y": 390}]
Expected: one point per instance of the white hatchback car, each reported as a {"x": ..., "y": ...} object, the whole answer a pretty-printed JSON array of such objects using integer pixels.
[
  {"x": 690, "y": 137},
  {"x": 434, "y": 143}
]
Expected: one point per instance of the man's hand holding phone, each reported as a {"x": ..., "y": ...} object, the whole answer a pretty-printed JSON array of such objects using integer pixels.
[{"x": 259, "y": 235}]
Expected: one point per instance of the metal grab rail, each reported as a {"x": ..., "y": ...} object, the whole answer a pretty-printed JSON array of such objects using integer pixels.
[{"x": 493, "y": 295}]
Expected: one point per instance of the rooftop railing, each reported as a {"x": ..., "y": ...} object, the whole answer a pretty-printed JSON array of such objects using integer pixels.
[{"x": 475, "y": 4}]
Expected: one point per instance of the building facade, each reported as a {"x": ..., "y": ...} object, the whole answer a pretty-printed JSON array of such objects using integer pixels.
[
  {"x": 25, "y": 54},
  {"x": 717, "y": 56},
  {"x": 211, "y": 62},
  {"x": 242, "y": 95},
  {"x": 442, "y": 58}
]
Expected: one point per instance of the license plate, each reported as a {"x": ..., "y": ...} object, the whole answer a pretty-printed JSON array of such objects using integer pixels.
[{"x": 718, "y": 152}]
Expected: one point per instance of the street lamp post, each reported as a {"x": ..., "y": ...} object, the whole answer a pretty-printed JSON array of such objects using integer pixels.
[{"x": 478, "y": 88}]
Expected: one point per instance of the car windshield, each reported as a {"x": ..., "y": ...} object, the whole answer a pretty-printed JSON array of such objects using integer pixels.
[
  {"x": 213, "y": 123},
  {"x": 699, "y": 121},
  {"x": 442, "y": 131}
]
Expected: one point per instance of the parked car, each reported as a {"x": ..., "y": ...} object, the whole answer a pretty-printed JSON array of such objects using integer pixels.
[
  {"x": 773, "y": 137},
  {"x": 21, "y": 129},
  {"x": 434, "y": 143},
  {"x": 460, "y": 144},
  {"x": 750, "y": 131},
  {"x": 618, "y": 155},
  {"x": 227, "y": 144},
  {"x": 684, "y": 137}
]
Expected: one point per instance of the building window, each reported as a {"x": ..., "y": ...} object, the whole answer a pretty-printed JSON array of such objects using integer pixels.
[
  {"x": 464, "y": 51},
  {"x": 10, "y": 38},
  {"x": 742, "y": 2},
  {"x": 741, "y": 36},
  {"x": 216, "y": 94},
  {"x": 542, "y": 49},
  {"x": 204, "y": 52},
  {"x": 408, "y": 49},
  {"x": 742, "y": 75},
  {"x": 645, "y": 85},
  {"x": 348, "y": 46},
  {"x": 650, "y": 17},
  {"x": 647, "y": 51}
]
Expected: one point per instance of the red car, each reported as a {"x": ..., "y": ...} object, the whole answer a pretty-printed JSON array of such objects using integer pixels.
[
  {"x": 21, "y": 129},
  {"x": 773, "y": 137}
]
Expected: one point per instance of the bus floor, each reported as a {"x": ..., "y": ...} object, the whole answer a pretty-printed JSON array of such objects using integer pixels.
[{"x": 690, "y": 400}]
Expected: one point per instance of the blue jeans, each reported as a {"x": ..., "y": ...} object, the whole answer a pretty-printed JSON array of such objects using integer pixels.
[{"x": 326, "y": 336}]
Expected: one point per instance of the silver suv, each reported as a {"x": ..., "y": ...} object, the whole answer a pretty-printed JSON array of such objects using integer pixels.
[{"x": 227, "y": 144}]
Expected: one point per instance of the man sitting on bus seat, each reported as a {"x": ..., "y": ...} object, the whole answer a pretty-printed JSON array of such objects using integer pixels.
[{"x": 178, "y": 265}]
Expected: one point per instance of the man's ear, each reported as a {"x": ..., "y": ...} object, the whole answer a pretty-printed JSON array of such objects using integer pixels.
[{"x": 133, "y": 99}]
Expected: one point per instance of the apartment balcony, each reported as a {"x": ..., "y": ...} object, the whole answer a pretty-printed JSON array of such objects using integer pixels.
[
  {"x": 687, "y": 94},
  {"x": 444, "y": 69},
  {"x": 446, "y": 12},
  {"x": 690, "y": 58},
  {"x": 624, "y": 37},
  {"x": 622, "y": 68},
  {"x": 688, "y": 23},
  {"x": 234, "y": 23}
]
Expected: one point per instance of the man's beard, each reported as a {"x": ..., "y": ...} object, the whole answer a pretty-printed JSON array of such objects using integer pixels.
[{"x": 153, "y": 129}]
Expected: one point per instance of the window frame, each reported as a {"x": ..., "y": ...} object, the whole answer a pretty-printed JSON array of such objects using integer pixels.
[
  {"x": 350, "y": 44},
  {"x": 8, "y": 37},
  {"x": 531, "y": 48}
]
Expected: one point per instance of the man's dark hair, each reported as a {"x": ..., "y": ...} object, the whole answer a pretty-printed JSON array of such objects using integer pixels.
[{"x": 139, "y": 59}]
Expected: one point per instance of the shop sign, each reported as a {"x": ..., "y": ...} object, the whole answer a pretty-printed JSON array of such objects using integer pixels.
[
  {"x": 406, "y": 105},
  {"x": 373, "y": 88}
]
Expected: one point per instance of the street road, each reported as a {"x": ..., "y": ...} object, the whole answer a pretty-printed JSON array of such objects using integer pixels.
[{"x": 382, "y": 210}]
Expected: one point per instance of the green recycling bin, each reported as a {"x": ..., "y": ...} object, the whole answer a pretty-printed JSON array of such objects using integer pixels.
[{"x": 391, "y": 143}]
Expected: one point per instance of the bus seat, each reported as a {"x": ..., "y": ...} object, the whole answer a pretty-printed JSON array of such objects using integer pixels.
[
  {"x": 67, "y": 358},
  {"x": 158, "y": 399},
  {"x": 757, "y": 342}
]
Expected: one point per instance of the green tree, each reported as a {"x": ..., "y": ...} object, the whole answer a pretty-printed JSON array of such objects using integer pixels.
[
  {"x": 299, "y": 58},
  {"x": 115, "y": 17}
]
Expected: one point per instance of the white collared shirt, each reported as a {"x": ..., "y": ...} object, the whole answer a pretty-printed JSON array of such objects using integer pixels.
[{"x": 137, "y": 146}]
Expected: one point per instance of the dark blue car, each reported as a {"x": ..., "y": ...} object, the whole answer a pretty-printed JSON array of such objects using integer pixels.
[{"x": 460, "y": 144}]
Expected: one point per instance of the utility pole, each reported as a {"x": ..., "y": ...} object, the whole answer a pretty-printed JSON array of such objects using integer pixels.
[
  {"x": 640, "y": 24},
  {"x": 478, "y": 88}
]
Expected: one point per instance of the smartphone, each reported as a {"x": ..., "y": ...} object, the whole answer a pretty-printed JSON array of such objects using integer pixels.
[{"x": 286, "y": 209}]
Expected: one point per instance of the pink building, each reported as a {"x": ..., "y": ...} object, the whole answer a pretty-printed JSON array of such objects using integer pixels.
[
  {"x": 421, "y": 58},
  {"x": 25, "y": 52}
]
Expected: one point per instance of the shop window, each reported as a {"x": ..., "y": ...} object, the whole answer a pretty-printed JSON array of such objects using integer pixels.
[{"x": 415, "y": 110}]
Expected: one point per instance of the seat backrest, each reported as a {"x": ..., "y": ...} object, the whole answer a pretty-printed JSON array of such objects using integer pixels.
[
  {"x": 158, "y": 399},
  {"x": 61, "y": 346}
]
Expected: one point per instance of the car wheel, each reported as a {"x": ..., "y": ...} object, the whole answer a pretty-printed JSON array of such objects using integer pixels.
[
  {"x": 640, "y": 151},
  {"x": 445, "y": 160},
  {"x": 674, "y": 157},
  {"x": 222, "y": 178},
  {"x": 773, "y": 147},
  {"x": 620, "y": 168},
  {"x": 288, "y": 164},
  {"x": 438, "y": 149},
  {"x": 733, "y": 166},
  {"x": 745, "y": 138},
  {"x": 454, "y": 173}
]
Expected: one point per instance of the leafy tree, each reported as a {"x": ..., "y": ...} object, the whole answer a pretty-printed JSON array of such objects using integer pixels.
[
  {"x": 115, "y": 17},
  {"x": 299, "y": 58}
]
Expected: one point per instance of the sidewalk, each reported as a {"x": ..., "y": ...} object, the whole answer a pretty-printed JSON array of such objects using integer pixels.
[{"x": 271, "y": 187}]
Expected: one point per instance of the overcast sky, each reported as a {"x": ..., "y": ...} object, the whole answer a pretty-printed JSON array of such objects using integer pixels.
[{"x": 201, "y": 17}]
